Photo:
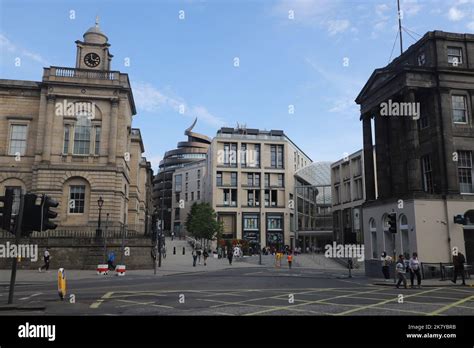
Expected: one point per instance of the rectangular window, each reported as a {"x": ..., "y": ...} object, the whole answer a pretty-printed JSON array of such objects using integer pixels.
[
  {"x": 257, "y": 155},
  {"x": 250, "y": 197},
  {"x": 219, "y": 179},
  {"x": 97, "y": 140},
  {"x": 275, "y": 223},
  {"x": 77, "y": 194},
  {"x": 199, "y": 184},
  {"x": 273, "y": 157},
  {"x": 280, "y": 156},
  {"x": 82, "y": 136},
  {"x": 267, "y": 198},
  {"x": 243, "y": 155},
  {"x": 459, "y": 105},
  {"x": 186, "y": 196},
  {"x": 267, "y": 180},
  {"x": 198, "y": 195},
  {"x": 66, "y": 140},
  {"x": 226, "y": 154},
  {"x": 454, "y": 55},
  {"x": 465, "y": 172},
  {"x": 226, "y": 197},
  {"x": 192, "y": 196},
  {"x": 257, "y": 180},
  {"x": 17, "y": 139},
  {"x": 274, "y": 198},
  {"x": 427, "y": 174},
  {"x": 251, "y": 222},
  {"x": 280, "y": 180},
  {"x": 177, "y": 197},
  {"x": 249, "y": 179},
  {"x": 178, "y": 185},
  {"x": 233, "y": 179},
  {"x": 233, "y": 198},
  {"x": 199, "y": 173},
  {"x": 186, "y": 187}
]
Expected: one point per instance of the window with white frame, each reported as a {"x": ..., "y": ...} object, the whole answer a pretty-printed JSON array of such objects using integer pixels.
[
  {"x": 459, "y": 105},
  {"x": 17, "y": 139},
  {"x": 465, "y": 172},
  {"x": 77, "y": 198},
  {"x": 454, "y": 55},
  {"x": 66, "y": 139},
  {"x": 82, "y": 136}
]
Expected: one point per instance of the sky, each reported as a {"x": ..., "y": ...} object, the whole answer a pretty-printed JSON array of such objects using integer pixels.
[{"x": 268, "y": 64}]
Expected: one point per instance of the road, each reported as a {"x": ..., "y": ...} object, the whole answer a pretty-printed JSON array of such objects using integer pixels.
[{"x": 243, "y": 291}]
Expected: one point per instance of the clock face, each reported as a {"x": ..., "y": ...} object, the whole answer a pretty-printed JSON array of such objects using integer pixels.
[{"x": 92, "y": 60}]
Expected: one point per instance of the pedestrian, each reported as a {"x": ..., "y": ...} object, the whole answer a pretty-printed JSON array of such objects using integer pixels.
[
  {"x": 205, "y": 255},
  {"x": 458, "y": 262},
  {"x": 172, "y": 235},
  {"x": 194, "y": 257},
  {"x": 46, "y": 258},
  {"x": 230, "y": 255},
  {"x": 414, "y": 267},
  {"x": 111, "y": 260},
  {"x": 400, "y": 270},
  {"x": 290, "y": 260},
  {"x": 199, "y": 252},
  {"x": 386, "y": 260}
]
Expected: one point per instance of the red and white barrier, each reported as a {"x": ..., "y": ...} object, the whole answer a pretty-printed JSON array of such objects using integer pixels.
[
  {"x": 120, "y": 270},
  {"x": 102, "y": 269}
]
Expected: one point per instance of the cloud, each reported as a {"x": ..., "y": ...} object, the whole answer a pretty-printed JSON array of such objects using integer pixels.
[
  {"x": 155, "y": 162},
  {"x": 470, "y": 26},
  {"x": 410, "y": 7},
  {"x": 337, "y": 26},
  {"x": 6, "y": 44},
  {"x": 454, "y": 14},
  {"x": 150, "y": 99}
]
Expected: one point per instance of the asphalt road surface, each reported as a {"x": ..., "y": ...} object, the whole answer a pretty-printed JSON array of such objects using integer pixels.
[{"x": 242, "y": 291}]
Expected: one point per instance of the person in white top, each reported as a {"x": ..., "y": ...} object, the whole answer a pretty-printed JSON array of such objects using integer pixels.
[
  {"x": 46, "y": 261},
  {"x": 415, "y": 269}
]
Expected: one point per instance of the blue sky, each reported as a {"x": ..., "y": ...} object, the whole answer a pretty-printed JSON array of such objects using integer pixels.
[{"x": 283, "y": 61}]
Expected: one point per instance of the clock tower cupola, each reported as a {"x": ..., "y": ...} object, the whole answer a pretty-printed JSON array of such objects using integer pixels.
[{"x": 93, "y": 52}]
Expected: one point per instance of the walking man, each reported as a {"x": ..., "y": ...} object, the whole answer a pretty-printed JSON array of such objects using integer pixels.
[
  {"x": 46, "y": 258},
  {"x": 194, "y": 257},
  {"x": 386, "y": 260},
  {"x": 458, "y": 262},
  {"x": 205, "y": 255},
  {"x": 414, "y": 267},
  {"x": 230, "y": 255},
  {"x": 111, "y": 260},
  {"x": 400, "y": 270}
]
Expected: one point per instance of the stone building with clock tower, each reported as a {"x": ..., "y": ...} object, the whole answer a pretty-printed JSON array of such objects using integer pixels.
[{"x": 70, "y": 136}]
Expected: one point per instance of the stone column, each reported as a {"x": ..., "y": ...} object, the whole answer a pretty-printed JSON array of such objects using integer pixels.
[
  {"x": 382, "y": 158},
  {"x": 113, "y": 130},
  {"x": 369, "y": 171},
  {"x": 415, "y": 178},
  {"x": 48, "y": 127}
]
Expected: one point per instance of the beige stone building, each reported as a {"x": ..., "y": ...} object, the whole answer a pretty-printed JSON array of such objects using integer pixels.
[
  {"x": 251, "y": 184},
  {"x": 70, "y": 136}
]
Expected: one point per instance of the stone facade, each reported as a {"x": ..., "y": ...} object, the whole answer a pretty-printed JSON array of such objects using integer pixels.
[{"x": 69, "y": 136}]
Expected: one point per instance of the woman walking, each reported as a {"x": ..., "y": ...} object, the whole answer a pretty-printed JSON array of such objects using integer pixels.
[{"x": 414, "y": 267}]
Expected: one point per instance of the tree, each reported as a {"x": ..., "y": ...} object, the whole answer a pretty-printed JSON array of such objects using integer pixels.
[{"x": 202, "y": 223}]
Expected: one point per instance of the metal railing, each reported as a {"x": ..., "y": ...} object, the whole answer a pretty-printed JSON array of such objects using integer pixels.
[
  {"x": 442, "y": 271},
  {"x": 111, "y": 234}
]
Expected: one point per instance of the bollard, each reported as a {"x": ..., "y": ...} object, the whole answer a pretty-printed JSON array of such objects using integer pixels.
[
  {"x": 61, "y": 283},
  {"x": 183, "y": 250},
  {"x": 174, "y": 250}
]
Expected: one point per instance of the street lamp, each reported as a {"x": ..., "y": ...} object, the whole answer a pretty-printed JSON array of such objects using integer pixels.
[{"x": 100, "y": 203}]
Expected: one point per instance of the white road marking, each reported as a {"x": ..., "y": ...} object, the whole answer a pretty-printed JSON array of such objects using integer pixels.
[{"x": 28, "y": 297}]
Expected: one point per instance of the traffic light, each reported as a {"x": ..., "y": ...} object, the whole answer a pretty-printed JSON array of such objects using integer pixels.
[
  {"x": 6, "y": 210},
  {"x": 47, "y": 203},
  {"x": 36, "y": 216},
  {"x": 392, "y": 222},
  {"x": 31, "y": 220}
]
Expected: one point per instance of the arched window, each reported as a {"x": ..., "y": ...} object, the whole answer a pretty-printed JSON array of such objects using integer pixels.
[
  {"x": 83, "y": 135},
  {"x": 405, "y": 239},
  {"x": 389, "y": 242},
  {"x": 373, "y": 237}
]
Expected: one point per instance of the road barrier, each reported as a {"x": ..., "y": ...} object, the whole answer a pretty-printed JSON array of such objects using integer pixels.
[
  {"x": 120, "y": 270},
  {"x": 102, "y": 269}
]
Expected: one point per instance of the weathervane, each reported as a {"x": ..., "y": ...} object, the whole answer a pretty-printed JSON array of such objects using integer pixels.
[{"x": 96, "y": 21}]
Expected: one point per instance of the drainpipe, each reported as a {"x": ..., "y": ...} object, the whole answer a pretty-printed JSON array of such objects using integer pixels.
[{"x": 441, "y": 124}]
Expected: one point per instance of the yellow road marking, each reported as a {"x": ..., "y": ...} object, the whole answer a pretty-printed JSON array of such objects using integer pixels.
[
  {"x": 310, "y": 302},
  {"x": 454, "y": 304},
  {"x": 99, "y": 302},
  {"x": 383, "y": 302}
]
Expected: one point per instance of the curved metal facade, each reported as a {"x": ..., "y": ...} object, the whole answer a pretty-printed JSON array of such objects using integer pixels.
[{"x": 187, "y": 152}]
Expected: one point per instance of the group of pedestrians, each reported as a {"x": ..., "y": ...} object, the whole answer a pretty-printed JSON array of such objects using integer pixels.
[
  {"x": 413, "y": 268},
  {"x": 197, "y": 253}
]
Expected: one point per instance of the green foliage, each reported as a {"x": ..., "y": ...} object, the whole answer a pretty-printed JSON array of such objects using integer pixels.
[{"x": 201, "y": 222}]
